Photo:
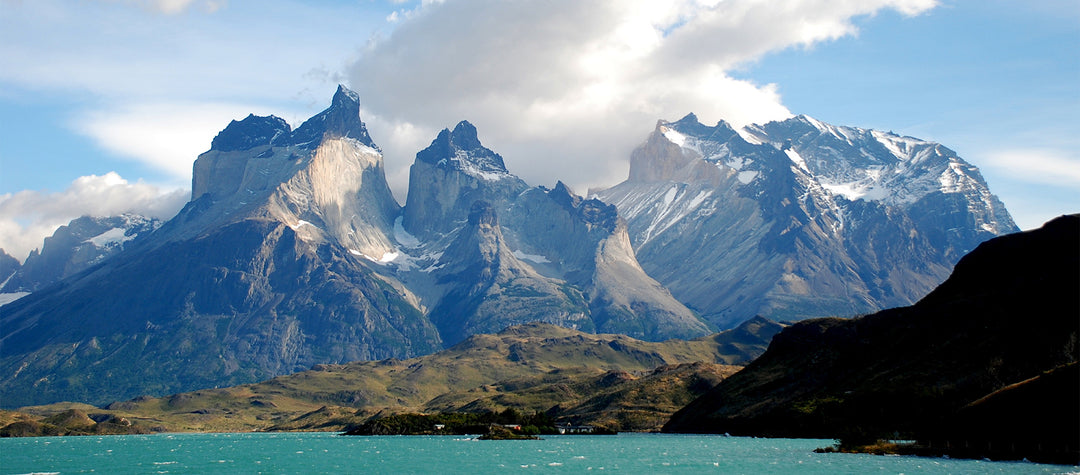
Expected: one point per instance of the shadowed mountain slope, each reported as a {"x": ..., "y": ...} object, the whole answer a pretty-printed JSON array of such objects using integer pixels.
[{"x": 1009, "y": 312}]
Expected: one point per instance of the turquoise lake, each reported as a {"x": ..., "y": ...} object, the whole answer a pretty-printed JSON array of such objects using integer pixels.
[{"x": 330, "y": 453}]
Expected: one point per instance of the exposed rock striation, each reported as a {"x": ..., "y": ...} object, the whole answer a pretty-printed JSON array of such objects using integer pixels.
[{"x": 489, "y": 289}]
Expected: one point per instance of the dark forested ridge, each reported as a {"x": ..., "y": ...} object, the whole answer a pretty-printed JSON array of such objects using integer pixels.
[{"x": 983, "y": 359}]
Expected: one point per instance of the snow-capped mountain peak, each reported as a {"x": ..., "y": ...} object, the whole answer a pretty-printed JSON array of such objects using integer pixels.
[
  {"x": 838, "y": 200},
  {"x": 341, "y": 119},
  {"x": 851, "y": 163},
  {"x": 461, "y": 149}
]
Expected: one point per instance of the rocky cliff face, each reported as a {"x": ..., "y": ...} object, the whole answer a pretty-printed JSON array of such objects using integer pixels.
[
  {"x": 325, "y": 179},
  {"x": 594, "y": 253},
  {"x": 8, "y": 267},
  {"x": 451, "y": 174},
  {"x": 269, "y": 269},
  {"x": 488, "y": 288},
  {"x": 798, "y": 218},
  {"x": 569, "y": 252}
]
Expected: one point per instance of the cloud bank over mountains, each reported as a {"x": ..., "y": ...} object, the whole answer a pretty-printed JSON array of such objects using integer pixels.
[
  {"x": 565, "y": 89},
  {"x": 27, "y": 217}
]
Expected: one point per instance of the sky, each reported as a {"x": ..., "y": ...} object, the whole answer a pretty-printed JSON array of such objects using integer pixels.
[{"x": 105, "y": 104}]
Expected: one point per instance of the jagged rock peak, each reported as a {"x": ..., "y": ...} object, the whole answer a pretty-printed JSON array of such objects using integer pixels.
[
  {"x": 483, "y": 213},
  {"x": 251, "y": 132},
  {"x": 345, "y": 98},
  {"x": 83, "y": 242},
  {"x": 341, "y": 119},
  {"x": 464, "y": 136},
  {"x": 462, "y": 149},
  {"x": 592, "y": 211},
  {"x": 690, "y": 125},
  {"x": 563, "y": 195},
  {"x": 8, "y": 265}
]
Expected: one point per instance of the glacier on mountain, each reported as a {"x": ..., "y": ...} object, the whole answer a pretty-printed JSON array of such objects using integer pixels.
[{"x": 799, "y": 218}]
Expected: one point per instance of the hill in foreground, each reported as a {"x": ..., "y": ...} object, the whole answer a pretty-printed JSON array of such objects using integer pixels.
[
  {"x": 979, "y": 367},
  {"x": 606, "y": 379}
]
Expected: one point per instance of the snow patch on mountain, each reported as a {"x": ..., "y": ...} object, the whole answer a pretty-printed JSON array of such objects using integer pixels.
[
  {"x": 846, "y": 134},
  {"x": 731, "y": 161},
  {"x": 386, "y": 258},
  {"x": 797, "y": 159},
  {"x": 901, "y": 147},
  {"x": 748, "y": 136},
  {"x": 469, "y": 166},
  {"x": 675, "y": 205},
  {"x": 674, "y": 136},
  {"x": 669, "y": 197},
  {"x": 857, "y": 191},
  {"x": 699, "y": 199},
  {"x": 745, "y": 177},
  {"x": 403, "y": 237},
  {"x": 112, "y": 236},
  {"x": 301, "y": 223},
  {"x": 6, "y": 298},
  {"x": 536, "y": 258}
]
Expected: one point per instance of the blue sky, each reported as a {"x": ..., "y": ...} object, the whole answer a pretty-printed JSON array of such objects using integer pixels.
[{"x": 105, "y": 103}]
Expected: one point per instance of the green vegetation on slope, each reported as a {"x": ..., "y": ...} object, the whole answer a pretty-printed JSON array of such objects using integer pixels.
[
  {"x": 67, "y": 422},
  {"x": 530, "y": 368}
]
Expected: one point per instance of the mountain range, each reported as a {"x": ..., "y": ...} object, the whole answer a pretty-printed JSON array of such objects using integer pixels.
[
  {"x": 293, "y": 251},
  {"x": 80, "y": 244},
  {"x": 798, "y": 218}
]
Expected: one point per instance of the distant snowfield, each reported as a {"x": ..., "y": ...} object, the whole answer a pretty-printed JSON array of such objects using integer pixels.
[
  {"x": 114, "y": 235},
  {"x": 11, "y": 297},
  {"x": 531, "y": 257},
  {"x": 403, "y": 237}
]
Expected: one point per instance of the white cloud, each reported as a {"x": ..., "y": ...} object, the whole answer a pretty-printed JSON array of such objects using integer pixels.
[
  {"x": 166, "y": 136},
  {"x": 1035, "y": 166},
  {"x": 1037, "y": 184},
  {"x": 565, "y": 89},
  {"x": 249, "y": 52},
  {"x": 28, "y": 217},
  {"x": 156, "y": 88},
  {"x": 173, "y": 7}
]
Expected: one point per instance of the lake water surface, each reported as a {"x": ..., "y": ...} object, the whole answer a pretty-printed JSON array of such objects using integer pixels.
[{"x": 330, "y": 453}]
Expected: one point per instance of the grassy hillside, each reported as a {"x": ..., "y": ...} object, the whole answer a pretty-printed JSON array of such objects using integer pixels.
[{"x": 632, "y": 384}]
